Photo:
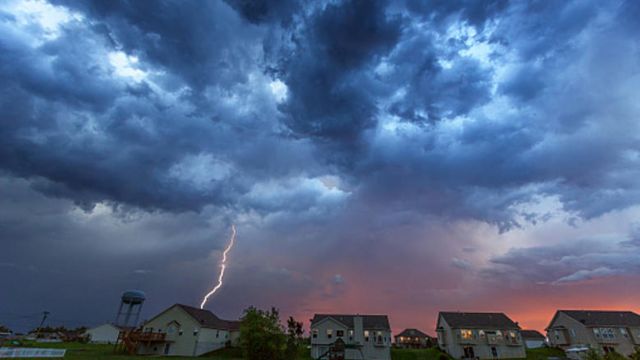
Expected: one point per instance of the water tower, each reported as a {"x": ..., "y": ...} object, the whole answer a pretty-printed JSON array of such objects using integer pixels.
[{"x": 130, "y": 305}]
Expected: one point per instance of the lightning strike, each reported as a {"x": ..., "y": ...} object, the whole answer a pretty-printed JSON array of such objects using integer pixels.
[{"x": 223, "y": 266}]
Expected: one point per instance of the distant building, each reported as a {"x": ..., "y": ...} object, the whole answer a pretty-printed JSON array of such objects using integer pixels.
[
  {"x": 465, "y": 335},
  {"x": 533, "y": 339},
  {"x": 103, "y": 334},
  {"x": 604, "y": 331},
  {"x": 413, "y": 338},
  {"x": 361, "y": 336},
  {"x": 186, "y": 331}
]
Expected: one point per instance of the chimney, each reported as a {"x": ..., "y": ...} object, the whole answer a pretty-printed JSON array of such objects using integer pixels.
[{"x": 358, "y": 329}]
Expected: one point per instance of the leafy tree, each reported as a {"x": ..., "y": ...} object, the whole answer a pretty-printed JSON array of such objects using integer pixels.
[
  {"x": 4, "y": 328},
  {"x": 261, "y": 335},
  {"x": 294, "y": 338},
  {"x": 636, "y": 354}
]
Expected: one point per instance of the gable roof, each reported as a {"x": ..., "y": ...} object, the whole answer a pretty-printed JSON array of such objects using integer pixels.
[
  {"x": 377, "y": 322},
  {"x": 208, "y": 319},
  {"x": 602, "y": 318},
  {"x": 531, "y": 334},
  {"x": 413, "y": 333},
  {"x": 478, "y": 320}
]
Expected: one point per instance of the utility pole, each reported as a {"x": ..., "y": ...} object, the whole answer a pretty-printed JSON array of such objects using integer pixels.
[{"x": 44, "y": 317}]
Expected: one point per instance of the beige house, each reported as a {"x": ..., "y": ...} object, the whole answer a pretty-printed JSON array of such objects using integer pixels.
[
  {"x": 465, "y": 335},
  {"x": 413, "y": 339},
  {"x": 187, "y": 331},
  {"x": 364, "y": 336},
  {"x": 604, "y": 331}
]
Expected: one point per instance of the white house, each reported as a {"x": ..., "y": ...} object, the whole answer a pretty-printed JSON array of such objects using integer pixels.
[
  {"x": 186, "y": 331},
  {"x": 103, "y": 334},
  {"x": 364, "y": 336}
]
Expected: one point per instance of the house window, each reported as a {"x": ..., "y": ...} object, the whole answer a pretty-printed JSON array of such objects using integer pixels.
[
  {"x": 350, "y": 334},
  {"x": 329, "y": 333},
  {"x": 379, "y": 337},
  {"x": 624, "y": 333},
  {"x": 314, "y": 333},
  {"x": 604, "y": 333},
  {"x": 466, "y": 334},
  {"x": 557, "y": 334},
  {"x": 469, "y": 353},
  {"x": 180, "y": 332},
  {"x": 572, "y": 332},
  {"x": 481, "y": 334},
  {"x": 217, "y": 333},
  {"x": 366, "y": 335}
]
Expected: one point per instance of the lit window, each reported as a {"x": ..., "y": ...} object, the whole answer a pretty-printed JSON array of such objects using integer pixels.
[
  {"x": 329, "y": 333},
  {"x": 481, "y": 333},
  {"x": 366, "y": 335},
  {"x": 466, "y": 334}
]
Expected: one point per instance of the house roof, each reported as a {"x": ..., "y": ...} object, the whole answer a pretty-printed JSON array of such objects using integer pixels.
[
  {"x": 478, "y": 320},
  {"x": 208, "y": 319},
  {"x": 412, "y": 333},
  {"x": 603, "y": 318},
  {"x": 531, "y": 334},
  {"x": 377, "y": 322}
]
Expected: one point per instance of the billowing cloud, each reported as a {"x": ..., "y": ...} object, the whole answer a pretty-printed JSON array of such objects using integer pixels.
[{"x": 348, "y": 140}]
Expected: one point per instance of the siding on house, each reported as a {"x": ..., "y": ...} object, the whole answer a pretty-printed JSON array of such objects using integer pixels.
[
  {"x": 103, "y": 334},
  {"x": 189, "y": 332},
  {"x": 365, "y": 336},
  {"x": 603, "y": 331},
  {"x": 479, "y": 335}
]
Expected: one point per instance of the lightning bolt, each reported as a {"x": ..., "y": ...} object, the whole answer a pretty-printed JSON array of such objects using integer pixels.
[{"x": 223, "y": 266}]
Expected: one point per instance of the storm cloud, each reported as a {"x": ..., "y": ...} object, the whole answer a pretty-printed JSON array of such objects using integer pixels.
[{"x": 132, "y": 134}]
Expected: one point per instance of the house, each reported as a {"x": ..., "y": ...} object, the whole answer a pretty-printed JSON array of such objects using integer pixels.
[
  {"x": 533, "y": 339},
  {"x": 186, "y": 331},
  {"x": 604, "y": 331},
  {"x": 359, "y": 336},
  {"x": 469, "y": 335},
  {"x": 413, "y": 338},
  {"x": 103, "y": 334}
]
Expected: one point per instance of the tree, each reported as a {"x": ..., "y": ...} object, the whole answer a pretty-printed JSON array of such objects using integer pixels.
[
  {"x": 294, "y": 337},
  {"x": 261, "y": 335},
  {"x": 4, "y": 329}
]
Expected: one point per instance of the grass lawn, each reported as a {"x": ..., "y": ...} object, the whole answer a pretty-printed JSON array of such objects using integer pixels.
[
  {"x": 544, "y": 353},
  {"x": 417, "y": 354},
  {"x": 78, "y": 351}
]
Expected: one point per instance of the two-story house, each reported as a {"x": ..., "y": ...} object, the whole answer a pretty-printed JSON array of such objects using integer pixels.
[
  {"x": 467, "y": 335},
  {"x": 186, "y": 331},
  {"x": 413, "y": 339},
  {"x": 364, "y": 336},
  {"x": 604, "y": 331}
]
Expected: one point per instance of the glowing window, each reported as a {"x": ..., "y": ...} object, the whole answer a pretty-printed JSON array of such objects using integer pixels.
[
  {"x": 466, "y": 334},
  {"x": 329, "y": 333},
  {"x": 366, "y": 335}
]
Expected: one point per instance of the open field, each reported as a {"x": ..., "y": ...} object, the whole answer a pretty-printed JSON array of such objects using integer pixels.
[{"x": 78, "y": 351}]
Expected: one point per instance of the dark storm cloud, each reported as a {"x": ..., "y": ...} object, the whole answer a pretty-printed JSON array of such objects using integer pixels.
[{"x": 349, "y": 125}]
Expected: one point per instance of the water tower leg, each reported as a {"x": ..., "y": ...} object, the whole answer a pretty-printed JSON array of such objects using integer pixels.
[{"x": 119, "y": 313}]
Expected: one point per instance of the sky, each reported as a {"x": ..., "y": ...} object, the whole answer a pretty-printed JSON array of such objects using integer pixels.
[{"x": 386, "y": 157}]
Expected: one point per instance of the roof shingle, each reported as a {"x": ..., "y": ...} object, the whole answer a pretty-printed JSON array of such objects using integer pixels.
[
  {"x": 478, "y": 320},
  {"x": 209, "y": 320},
  {"x": 374, "y": 322},
  {"x": 604, "y": 318}
]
